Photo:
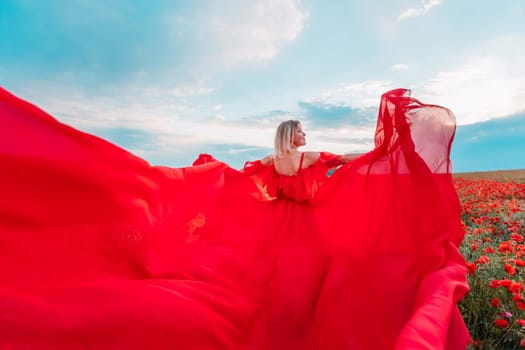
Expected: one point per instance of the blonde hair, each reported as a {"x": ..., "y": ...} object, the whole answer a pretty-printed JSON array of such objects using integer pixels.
[{"x": 284, "y": 137}]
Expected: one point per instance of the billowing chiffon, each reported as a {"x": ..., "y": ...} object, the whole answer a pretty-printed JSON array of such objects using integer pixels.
[{"x": 99, "y": 249}]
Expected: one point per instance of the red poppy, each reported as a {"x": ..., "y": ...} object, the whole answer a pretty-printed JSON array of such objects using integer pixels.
[
  {"x": 501, "y": 323},
  {"x": 516, "y": 287},
  {"x": 489, "y": 250},
  {"x": 495, "y": 302},
  {"x": 505, "y": 247},
  {"x": 505, "y": 283},
  {"x": 483, "y": 260},
  {"x": 517, "y": 297},
  {"x": 493, "y": 284},
  {"x": 510, "y": 269}
]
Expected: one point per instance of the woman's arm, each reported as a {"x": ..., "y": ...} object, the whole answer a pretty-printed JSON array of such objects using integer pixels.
[
  {"x": 335, "y": 160},
  {"x": 349, "y": 156}
]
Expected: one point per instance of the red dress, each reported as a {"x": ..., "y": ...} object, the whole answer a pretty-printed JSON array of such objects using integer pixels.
[{"x": 99, "y": 249}]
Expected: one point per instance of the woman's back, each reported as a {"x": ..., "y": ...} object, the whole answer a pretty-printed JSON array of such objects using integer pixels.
[{"x": 291, "y": 163}]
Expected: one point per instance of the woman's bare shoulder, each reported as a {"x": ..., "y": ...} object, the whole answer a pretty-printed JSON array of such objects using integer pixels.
[
  {"x": 310, "y": 158},
  {"x": 312, "y": 155},
  {"x": 267, "y": 160}
]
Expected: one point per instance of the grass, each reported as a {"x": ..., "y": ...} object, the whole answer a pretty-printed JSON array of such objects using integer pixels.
[{"x": 493, "y": 213}]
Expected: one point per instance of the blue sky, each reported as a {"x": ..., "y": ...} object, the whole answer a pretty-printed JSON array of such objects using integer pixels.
[{"x": 170, "y": 79}]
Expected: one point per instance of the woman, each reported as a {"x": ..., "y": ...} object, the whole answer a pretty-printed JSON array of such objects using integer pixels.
[
  {"x": 287, "y": 159},
  {"x": 101, "y": 250},
  {"x": 287, "y": 163}
]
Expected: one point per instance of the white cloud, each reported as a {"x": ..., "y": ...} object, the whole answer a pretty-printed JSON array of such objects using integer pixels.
[
  {"x": 351, "y": 136},
  {"x": 166, "y": 117},
  {"x": 164, "y": 124},
  {"x": 254, "y": 30},
  {"x": 342, "y": 140},
  {"x": 484, "y": 87},
  {"x": 423, "y": 9},
  {"x": 168, "y": 125},
  {"x": 356, "y": 95},
  {"x": 399, "y": 66}
]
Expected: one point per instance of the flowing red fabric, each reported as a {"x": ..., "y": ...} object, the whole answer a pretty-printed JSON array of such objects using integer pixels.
[{"x": 99, "y": 249}]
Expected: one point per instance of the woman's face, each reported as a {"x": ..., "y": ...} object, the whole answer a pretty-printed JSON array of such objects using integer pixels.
[{"x": 299, "y": 136}]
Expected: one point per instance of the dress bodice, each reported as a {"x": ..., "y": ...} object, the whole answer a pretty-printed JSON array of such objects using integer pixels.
[{"x": 300, "y": 187}]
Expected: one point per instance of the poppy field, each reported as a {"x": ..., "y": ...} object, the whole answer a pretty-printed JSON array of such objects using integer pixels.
[{"x": 493, "y": 214}]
